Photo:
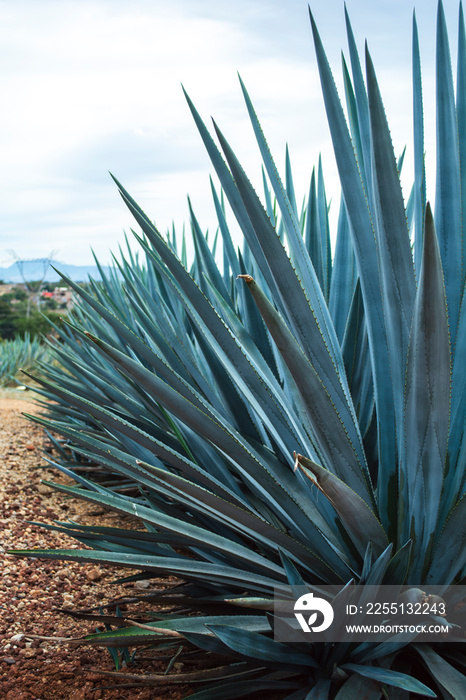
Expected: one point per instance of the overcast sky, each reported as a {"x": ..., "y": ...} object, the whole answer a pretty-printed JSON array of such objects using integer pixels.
[{"x": 95, "y": 86}]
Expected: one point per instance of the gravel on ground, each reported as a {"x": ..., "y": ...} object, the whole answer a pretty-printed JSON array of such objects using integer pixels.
[{"x": 32, "y": 591}]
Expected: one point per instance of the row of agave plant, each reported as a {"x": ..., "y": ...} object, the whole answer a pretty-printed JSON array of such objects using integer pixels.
[
  {"x": 204, "y": 389},
  {"x": 20, "y": 353}
]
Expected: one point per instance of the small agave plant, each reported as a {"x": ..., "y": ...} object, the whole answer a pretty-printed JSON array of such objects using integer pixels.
[
  {"x": 20, "y": 352},
  {"x": 215, "y": 392}
]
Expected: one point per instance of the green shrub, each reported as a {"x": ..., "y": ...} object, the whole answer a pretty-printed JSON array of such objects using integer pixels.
[
  {"x": 15, "y": 322},
  {"x": 37, "y": 324},
  {"x": 198, "y": 388}
]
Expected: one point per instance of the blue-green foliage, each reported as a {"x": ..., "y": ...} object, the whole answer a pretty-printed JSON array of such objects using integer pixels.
[
  {"x": 20, "y": 353},
  {"x": 204, "y": 388}
]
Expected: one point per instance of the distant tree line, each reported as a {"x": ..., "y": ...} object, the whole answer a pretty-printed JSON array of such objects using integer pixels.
[{"x": 19, "y": 316}]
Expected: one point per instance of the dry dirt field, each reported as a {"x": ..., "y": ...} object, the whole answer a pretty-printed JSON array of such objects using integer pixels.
[{"x": 32, "y": 591}]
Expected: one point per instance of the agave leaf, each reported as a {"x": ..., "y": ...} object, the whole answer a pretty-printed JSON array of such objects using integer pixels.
[
  {"x": 461, "y": 108},
  {"x": 222, "y": 672},
  {"x": 238, "y": 411},
  {"x": 362, "y": 104},
  {"x": 320, "y": 691},
  {"x": 219, "y": 335},
  {"x": 419, "y": 187},
  {"x": 312, "y": 232},
  {"x": 184, "y": 529},
  {"x": 352, "y": 111},
  {"x": 126, "y": 636},
  {"x": 252, "y": 339},
  {"x": 357, "y": 687},
  {"x": 232, "y": 194},
  {"x": 383, "y": 675},
  {"x": 268, "y": 199},
  {"x": 237, "y": 689},
  {"x": 401, "y": 160},
  {"x": 248, "y": 523},
  {"x": 364, "y": 243},
  {"x": 292, "y": 573},
  {"x": 444, "y": 673},
  {"x": 316, "y": 231},
  {"x": 166, "y": 339},
  {"x": 125, "y": 333},
  {"x": 368, "y": 651},
  {"x": 448, "y": 182},
  {"x": 456, "y": 656},
  {"x": 344, "y": 275},
  {"x": 359, "y": 520},
  {"x": 289, "y": 181},
  {"x": 367, "y": 562},
  {"x": 202, "y": 420},
  {"x": 188, "y": 531},
  {"x": 256, "y": 328},
  {"x": 117, "y": 540},
  {"x": 427, "y": 408},
  {"x": 257, "y": 646},
  {"x": 128, "y": 464},
  {"x": 183, "y": 567},
  {"x": 334, "y": 448},
  {"x": 377, "y": 571},
  {"x": 279, "y": 489},
  {"x": 355, "y": 349},
  {"x": 251, "y": 602},
  {"x": 204, "y": 255},
  {"x": 309, "y": 518},
  {"x": 208, "y": 642},
  {"x": 396, "y": 265},
  {"x": 319, "y": 346},
  {"x": 449, "y": 557},
  {"x": 298, "y": 252},
  {"x": 455, "y": 467},
  {"x": 397, "y": 569},
  {"x": 324, "y": 231},
  {"x": 123, "y": 427},
  {"x": 162, "y": 330},
  {"x": 228, "y": 246}
]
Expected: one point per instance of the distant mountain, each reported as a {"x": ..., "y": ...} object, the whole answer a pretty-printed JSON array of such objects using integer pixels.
[{"x": 31, "y": 270}]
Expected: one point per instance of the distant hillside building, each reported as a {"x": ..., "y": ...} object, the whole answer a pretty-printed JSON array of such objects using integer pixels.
[{"x": 63, "y": 296}]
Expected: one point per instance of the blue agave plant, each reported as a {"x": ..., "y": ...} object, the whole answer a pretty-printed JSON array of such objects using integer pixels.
[{"x": 205, "y": 388}]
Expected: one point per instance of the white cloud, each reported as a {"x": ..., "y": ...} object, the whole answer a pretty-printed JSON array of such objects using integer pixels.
[{"x": 95, "y": 85}]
